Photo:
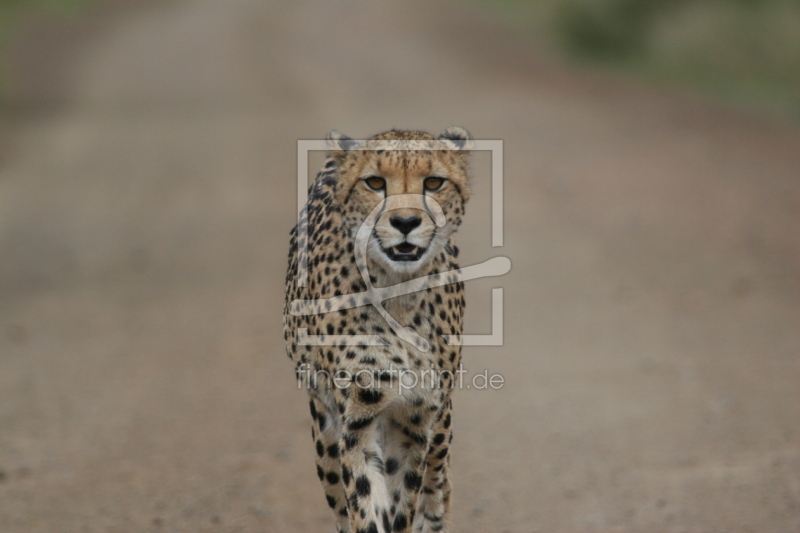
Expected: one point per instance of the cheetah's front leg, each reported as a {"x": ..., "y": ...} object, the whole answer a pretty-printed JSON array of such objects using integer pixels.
[
  {"x": 325, "y": 431},
  {"x": 407, "y": 438},
  {"x": 433, "y": 508},
  {"x": 362, "y": 462}
]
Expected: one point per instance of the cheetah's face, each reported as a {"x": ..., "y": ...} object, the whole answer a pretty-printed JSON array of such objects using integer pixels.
[{"x": 406, "y": 237}]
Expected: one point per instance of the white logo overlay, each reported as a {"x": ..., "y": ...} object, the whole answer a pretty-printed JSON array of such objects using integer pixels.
[{"x": 375, "y": 296}]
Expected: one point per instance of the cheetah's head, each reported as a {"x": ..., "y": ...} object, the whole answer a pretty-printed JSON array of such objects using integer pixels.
[{"x": 406, "y": 239}]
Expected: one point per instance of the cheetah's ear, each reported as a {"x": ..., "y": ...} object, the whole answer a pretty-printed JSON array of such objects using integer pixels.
[
  {"x": 457, "y": 135},
  {"x": 338, "y": 144}
]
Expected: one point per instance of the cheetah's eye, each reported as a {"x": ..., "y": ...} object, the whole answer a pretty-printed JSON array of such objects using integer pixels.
[
  {"x": 375, "y": 183},
  {"x": 433, "y": 183}
]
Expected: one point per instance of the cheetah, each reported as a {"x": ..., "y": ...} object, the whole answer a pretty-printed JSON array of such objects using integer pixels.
[{"x": 380, "y": 374}]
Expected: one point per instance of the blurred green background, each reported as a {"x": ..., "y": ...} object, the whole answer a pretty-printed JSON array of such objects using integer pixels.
[
  {"x": 16, "y": 13},
  {"x": 742, "y": 52},
  {"x": 12, "y": 11}
]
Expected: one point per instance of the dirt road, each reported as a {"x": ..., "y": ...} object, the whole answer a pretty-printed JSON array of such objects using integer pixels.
[{"x": 652, "y": 315}]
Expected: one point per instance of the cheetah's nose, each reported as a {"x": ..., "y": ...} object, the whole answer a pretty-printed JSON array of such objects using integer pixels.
[{"x": 405, "y": 225}]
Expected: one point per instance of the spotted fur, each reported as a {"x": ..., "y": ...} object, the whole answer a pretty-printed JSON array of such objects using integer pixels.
[{"x": 382, "y": 450}]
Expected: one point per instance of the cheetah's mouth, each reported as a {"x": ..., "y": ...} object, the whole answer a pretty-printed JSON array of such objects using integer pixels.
[{"x": 404, "y": 252}]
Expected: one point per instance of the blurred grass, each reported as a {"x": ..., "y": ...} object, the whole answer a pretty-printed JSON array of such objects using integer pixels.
[
  {"x": 12, "y": 10},
  {"x": 744, "y": 52},
  {"x": 15, "y": 12}
]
